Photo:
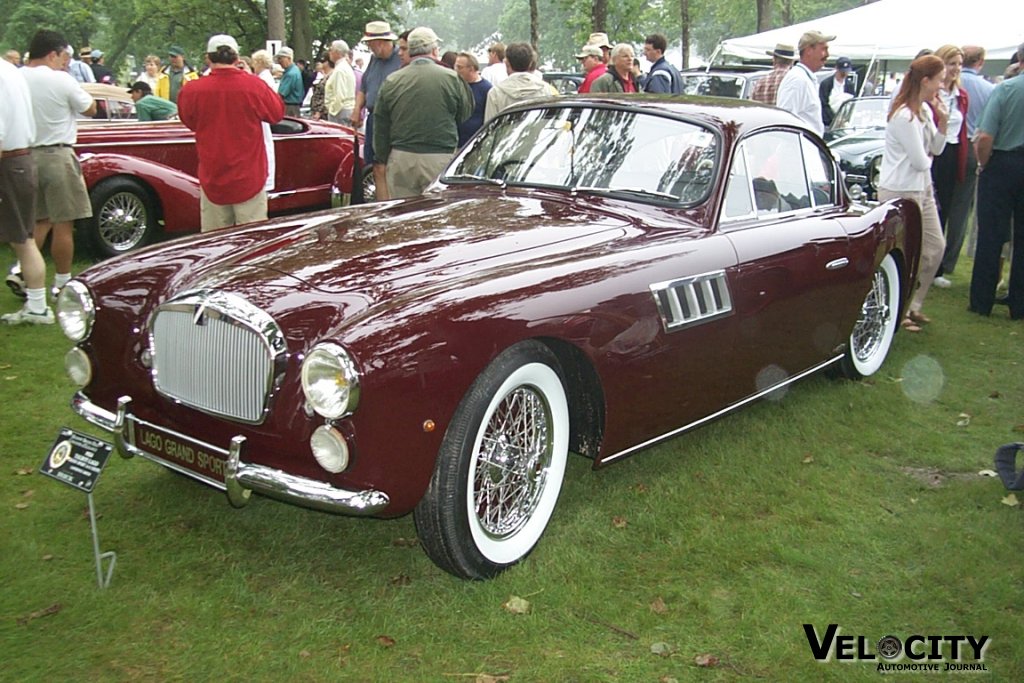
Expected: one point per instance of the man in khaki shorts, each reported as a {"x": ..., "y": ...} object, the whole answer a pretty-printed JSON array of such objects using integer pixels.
[
  {"x": 61, "y": 195},
  {"x": 17, "y": 194}
]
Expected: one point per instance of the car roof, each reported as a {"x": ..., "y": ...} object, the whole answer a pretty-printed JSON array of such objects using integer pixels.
[{"x": 711, "y": 111}]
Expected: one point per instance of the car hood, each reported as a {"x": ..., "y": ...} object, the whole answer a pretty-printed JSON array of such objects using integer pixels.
[
  {"x": 412, "y": 243},
  {"x": 858, "y": 144}
]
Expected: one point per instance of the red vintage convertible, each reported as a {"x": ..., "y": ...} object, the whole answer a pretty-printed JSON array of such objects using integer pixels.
[
  {"x": 142, "y": 177},
  {"x": 589, "y": 275}
]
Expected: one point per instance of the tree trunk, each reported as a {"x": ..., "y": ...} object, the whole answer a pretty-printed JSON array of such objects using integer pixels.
[
  {"x": 787, "y": 13},
  {"x": 275, "y": 20},
  {"x": 534, "y": 27},
  {"x": 684, "y": 21},
  {"x": 302, "y": 30},
  {"x": 764, "y": 15},
  {"x": 599, "y": 15}
]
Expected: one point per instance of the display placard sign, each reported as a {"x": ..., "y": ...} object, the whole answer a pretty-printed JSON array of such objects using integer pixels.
[{"x": 76, "y": 459}]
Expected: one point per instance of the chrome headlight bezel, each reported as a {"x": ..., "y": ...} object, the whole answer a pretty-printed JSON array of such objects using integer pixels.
[
  {"x": 330, "y": 381},
  {"x": 76, "y": 311},
  {"x": 874, "y": 171}
]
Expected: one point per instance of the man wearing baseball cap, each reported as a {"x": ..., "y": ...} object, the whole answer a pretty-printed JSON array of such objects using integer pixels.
[
  {"x": 149, "y": 107},
  {"x": 226, "y": 109},
  {"x": 798, "y": 92},
  {"x": 836, "y": 89},
  {"x": 178, "y": 74},
  {"x": 291, "y": 89},
  {"x": 592, "y": 59}
]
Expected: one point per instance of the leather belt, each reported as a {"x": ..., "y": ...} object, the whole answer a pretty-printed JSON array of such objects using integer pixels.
[{"x": 16, "y": 152}]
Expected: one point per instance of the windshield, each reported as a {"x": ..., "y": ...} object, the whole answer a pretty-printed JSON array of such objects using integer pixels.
[
  {"x": 596, "y": 150},
  {"x": 862, "y": 113},
  {"x": 713, "y": 85}
]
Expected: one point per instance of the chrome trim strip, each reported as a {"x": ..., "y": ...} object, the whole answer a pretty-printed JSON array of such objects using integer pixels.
[
  {"x": 241, "y": 478},
  {"x": 837, "y": 264},
  {"x": 716, "y": 415},
  {"x": 191, "y": 141},
  {"x": 692, "y": 300}
]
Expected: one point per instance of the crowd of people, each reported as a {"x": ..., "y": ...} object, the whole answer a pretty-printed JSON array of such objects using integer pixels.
[
  {"x": 417, "y": 106},
  {"x": 946, "y": 124}
]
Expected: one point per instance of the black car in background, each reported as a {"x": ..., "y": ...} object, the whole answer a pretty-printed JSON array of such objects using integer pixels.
[{"x": 857, "y": 139}]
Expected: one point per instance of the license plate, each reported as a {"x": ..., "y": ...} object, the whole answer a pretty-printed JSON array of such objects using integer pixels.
[{"x": 180, "y": 452}]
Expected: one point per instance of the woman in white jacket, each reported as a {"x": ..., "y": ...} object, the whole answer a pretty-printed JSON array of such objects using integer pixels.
[{"x": 916, "y": 132}]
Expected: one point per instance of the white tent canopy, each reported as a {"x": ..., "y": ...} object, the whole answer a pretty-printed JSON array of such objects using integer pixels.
[{"x": 899, "y": 29}]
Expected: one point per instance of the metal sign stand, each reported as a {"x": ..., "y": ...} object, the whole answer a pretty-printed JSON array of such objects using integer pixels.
[
  {"x": 77, "y": 460},
  {"x": 103, "y": 581}
]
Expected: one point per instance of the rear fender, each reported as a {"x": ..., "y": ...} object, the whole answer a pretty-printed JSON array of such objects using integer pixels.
[{"x": 176, "y": 193}]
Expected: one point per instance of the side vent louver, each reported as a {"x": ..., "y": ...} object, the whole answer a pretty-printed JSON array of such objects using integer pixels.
[{"x": 692, "y": 300}]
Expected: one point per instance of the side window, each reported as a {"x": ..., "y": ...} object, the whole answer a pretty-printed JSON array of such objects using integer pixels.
[
  {"x": 737, "y": 192},
  {"x": 776, "y": 166},
  {"x": 820, "y": 171}
]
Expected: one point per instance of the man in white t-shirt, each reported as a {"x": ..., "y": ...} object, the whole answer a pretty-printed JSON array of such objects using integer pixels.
[
  {"x": 17, "y": 194},
  {"x": 798, "y": 92},
  {"x": 495, "y": 71},
  {"x": 61, "y": 195}
]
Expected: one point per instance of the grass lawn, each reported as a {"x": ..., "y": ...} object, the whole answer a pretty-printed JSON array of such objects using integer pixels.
[{"x": 857, "y": 504}]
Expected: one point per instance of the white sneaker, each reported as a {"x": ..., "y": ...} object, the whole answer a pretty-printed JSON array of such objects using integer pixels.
[
  {"x": 27, "y": 317},
  {"x": 941, "y": 282},
  {"x": 16, "y": 283}
]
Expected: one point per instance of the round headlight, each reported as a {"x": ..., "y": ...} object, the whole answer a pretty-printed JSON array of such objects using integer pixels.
[
  {"x": 875, "y": 171},
  {"x": 329, "y": 449},
  {"x": 78, "y": 367},
  {"x": 75, "y": 311},
  {"x": 330, "y": 381}
]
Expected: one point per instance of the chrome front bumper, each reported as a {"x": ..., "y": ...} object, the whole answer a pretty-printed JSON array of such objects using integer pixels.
[{"x": 241, "y": 479}]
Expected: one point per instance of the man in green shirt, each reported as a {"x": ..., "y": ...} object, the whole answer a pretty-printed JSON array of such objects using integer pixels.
[
  {"x": 415, "y": 120},
  {"x": 148, "y": 106}
]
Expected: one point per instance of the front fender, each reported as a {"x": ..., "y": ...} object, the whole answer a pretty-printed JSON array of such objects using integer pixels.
[{"x": 176, "y": 193}]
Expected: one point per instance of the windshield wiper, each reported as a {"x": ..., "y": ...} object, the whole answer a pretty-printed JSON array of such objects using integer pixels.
[
  {"x": 643, "y": 192},
  {"x": 479, "y": 178}
]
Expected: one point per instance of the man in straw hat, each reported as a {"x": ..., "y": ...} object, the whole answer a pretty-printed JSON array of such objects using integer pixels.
[
  {"x": 798, "y": 92},
  {"x": 385, "y": 61},
  {"x": 767, "y": 89}
]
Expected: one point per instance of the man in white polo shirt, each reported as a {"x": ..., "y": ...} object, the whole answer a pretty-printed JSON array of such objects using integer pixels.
[
  {"x": 17, "y": 194},
  {"x": 61, "y": 195},
  {"x": 798, "y": 92}
]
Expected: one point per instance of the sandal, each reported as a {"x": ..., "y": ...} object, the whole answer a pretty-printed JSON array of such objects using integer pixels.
[
  {"x": 909, "y": 325},
  {"x": 919, "y": 317}
]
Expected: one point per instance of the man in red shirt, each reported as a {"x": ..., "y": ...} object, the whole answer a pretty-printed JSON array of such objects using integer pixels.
[
  {"x": 226, "y": 109},
  {"x": 592, "y": 59}
]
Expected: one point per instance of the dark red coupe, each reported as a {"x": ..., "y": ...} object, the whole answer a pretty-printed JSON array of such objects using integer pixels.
[
  {"x": 588, "y": 275},
  {"x": 142, "y": 176}
]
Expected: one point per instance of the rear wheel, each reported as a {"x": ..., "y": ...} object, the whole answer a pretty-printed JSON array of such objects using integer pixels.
[
  {"x": 500, "y": 467},
  {"x": 123, "y": 217},
  {"x": 872, "y": 336}
]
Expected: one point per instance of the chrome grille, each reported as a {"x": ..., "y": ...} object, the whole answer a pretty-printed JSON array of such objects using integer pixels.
[{"x": 217, "y": 353}]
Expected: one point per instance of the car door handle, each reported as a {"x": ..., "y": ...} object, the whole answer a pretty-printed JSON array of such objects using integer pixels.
[{"x": 837, "y": 264}]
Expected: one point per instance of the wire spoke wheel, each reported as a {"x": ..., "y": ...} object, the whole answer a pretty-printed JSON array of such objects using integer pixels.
[{"x": 873, "y": 333}]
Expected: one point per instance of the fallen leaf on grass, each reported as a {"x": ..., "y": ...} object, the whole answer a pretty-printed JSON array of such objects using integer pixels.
[
  {"x": 28, "y": 493},
  {"x": 1010, "y": 500},
  {"x": 492, "y": 678},
  {"x": 516, "y": 605},
  {"x": 619, "y": 522},
  {"x": 964, "y": 420},
  {"x": 856, "y": 594},
  {"x": 304, "y": 654},
  {"x": 659, "y": 606},
  {"x": 20, "y": 506},
  {"x": 987, "y": 473},
  {"x": 706, "y": 660},
  {"x": 45, "y": 612},
  {"x": 1018, "y": 428},
  {"x": 668, "y": 679},
  {"x": 385, "y": 641},
  {"x": 808, "y": 459},
  {"x": 405, "y": 542},
  {"x": 662, "y": 649},
  {"x": 22, "y": 471},
  {"x": 995, "y": 394},
  {"x": 400, "y": 580},
  {"x": 10, "y": 377},
  {"x": 640, "y": 488},
  {"x": 47, "y": 557},
  {"x": 5, "y": 366}
]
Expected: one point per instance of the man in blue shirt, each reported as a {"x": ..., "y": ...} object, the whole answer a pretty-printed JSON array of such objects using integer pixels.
[
  {"x": 290, "y": 88},
  {"x": 385, "y": 61}
]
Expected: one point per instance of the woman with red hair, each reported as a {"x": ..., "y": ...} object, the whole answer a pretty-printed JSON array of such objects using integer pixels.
[{"x": 916, "y": 133}]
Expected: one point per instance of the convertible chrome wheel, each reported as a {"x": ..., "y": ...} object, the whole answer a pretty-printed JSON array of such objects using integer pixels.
[
  {"x": 123, "y": 217},
  {"x": 873, "y": 334},
  {"x": 501, "y": 467}
]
